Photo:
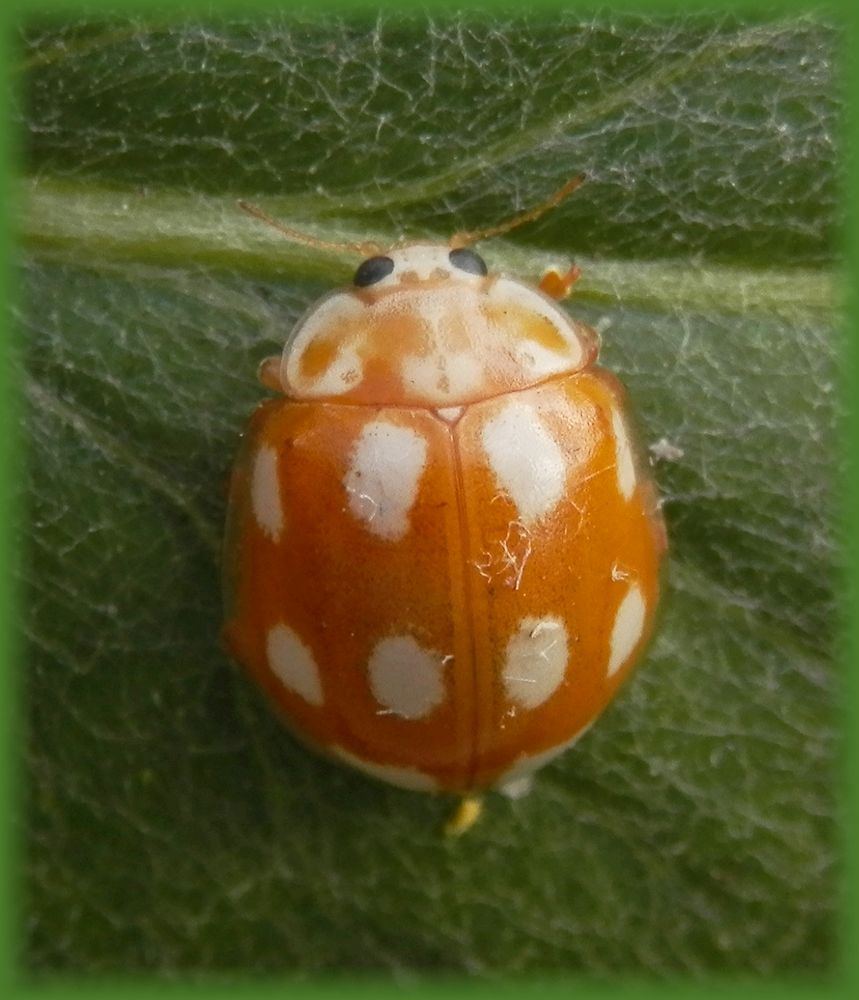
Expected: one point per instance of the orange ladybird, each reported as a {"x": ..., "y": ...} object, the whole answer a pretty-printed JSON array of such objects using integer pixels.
[{"x": 443, "y": 544}]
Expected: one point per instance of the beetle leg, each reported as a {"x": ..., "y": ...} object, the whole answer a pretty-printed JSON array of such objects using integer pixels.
[
  {"x": 269, "y": 373},
  {"x": 463, "y": 818},
  {"x": 558, "y": 285}
]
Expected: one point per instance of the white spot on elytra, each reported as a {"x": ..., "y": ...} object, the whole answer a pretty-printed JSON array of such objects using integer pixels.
[
  {"x": 516, "y": 780},
  {"x": 623, "y": 456},
  {"x": 403, "y": 777},
  {"x": 536, "y": 661},
  {"x": 293, "y": 664},
  {"x": 526, "y": 460},
  {"x": 628, "y": 626},
  {"x": 265, "y": 493},
  {"x": 383, "y": 477},
  {"x": 405, "y": 678}
]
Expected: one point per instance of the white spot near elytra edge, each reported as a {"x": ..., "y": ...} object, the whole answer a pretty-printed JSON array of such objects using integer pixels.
[
  {"x": 403, "y": 777},
  {"x": 628, "y": 626},
  {"x": 383, "y": 477},
  {"x": 515, "y": 781},
  {"x": 526, "y": 460},
  {"x": 536, "y": 661},
  {"x": 623, "y": 456},
  {"x": 265, "y": 493},
  {"x": 405, "y": 678},
  {"x": 293, "y": 664}
]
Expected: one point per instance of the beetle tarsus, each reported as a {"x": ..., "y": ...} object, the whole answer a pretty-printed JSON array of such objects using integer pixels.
[
  {"x": 463, "y": 818},
  {"x": 269, "y": 373}
]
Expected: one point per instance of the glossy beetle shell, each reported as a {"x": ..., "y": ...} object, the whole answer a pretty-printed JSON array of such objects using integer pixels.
[{"x": 443, "y": 548}]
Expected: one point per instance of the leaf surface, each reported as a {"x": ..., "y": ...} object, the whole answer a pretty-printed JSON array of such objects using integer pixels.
[{"x": 173, "y": 826}]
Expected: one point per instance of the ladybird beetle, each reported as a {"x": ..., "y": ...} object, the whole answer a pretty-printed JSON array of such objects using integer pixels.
[{"x": 443, "y": 545}]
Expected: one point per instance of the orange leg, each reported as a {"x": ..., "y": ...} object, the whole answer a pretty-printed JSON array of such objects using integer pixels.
[
  {"x": 466, "y": 814},
  {"x": 558, "y": 285},
  {"x": 269, "y": 373}
]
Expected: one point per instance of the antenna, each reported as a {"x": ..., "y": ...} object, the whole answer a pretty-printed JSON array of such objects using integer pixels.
[
  {"x": 364, "y": 249},
  {"x": 464, "y": 238}
]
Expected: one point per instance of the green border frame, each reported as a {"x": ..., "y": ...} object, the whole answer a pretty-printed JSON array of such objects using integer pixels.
[{"x": 15, "y": 982}]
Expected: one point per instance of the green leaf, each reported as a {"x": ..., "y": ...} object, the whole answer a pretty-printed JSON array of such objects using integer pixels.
[{"x": 173, "y": 826}]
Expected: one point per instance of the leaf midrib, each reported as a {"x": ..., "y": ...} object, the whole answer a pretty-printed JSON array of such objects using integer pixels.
[{"x": 74, "y": 221}]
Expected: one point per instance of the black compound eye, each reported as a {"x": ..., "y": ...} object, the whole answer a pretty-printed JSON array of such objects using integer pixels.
[
  {"x": 467, "y": 260},
  {"x": 373, "y": 269}
]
